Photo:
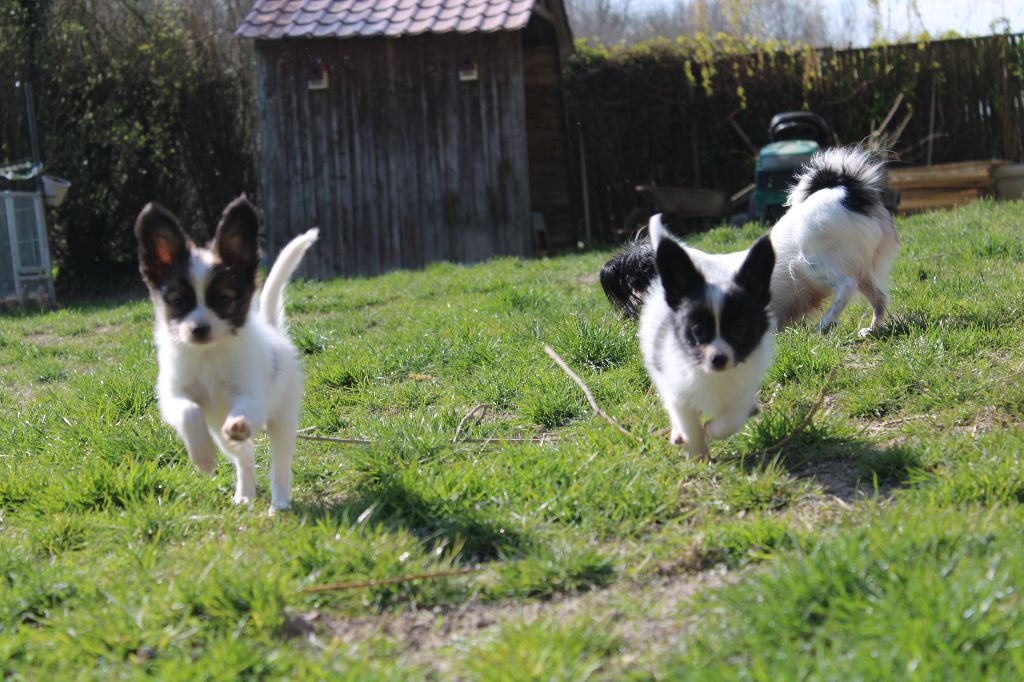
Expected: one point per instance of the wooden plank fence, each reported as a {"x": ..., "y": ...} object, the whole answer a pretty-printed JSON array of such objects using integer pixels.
[{"x": 646, "y": 122}]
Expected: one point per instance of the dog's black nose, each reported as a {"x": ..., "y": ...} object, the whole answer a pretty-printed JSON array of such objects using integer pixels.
[
  {"x": 201, "y": 332},
  {"x": 719, "y": 360}
]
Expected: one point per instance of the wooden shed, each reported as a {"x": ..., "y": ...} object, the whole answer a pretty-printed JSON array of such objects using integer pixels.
[{"x": 413, "y": 131}]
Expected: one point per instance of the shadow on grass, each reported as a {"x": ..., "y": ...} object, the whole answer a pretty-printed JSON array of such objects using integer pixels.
[
  {"x": 394, "y": 506},
  {"x": 845, "y": 467}
]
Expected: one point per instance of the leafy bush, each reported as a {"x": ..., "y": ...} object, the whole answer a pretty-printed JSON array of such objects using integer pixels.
[{"x": 136, "y": 102}]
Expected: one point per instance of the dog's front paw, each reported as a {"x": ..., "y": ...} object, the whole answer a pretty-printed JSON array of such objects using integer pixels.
[
  {"x": 236, "y": 428},
  {"x": 676, "y": 437},
  {"x": 866, "y": 332},
  {"x": 239, "y": 498}
]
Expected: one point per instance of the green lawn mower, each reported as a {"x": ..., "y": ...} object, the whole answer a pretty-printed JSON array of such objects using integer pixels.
[{"x": 796, "y": 135}]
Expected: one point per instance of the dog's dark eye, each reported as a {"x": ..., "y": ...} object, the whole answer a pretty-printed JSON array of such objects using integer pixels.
[
  {"x": 223, "y": 298},
  {"x": 175, "y": 300},
  {"x": 699, "y": 331}
]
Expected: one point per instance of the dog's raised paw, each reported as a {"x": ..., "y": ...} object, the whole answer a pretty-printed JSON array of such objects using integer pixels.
[
  {"x": 676, "y": 437},
  {"x": 236, "y": 428}
]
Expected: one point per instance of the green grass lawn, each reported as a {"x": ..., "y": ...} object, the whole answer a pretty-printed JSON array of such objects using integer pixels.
[{"x": 882, "y": 540}]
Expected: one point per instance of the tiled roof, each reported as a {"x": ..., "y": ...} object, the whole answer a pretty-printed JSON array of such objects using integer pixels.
[{"x": 271, "y": 19}]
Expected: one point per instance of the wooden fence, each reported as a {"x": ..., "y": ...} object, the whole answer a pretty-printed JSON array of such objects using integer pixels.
[{"x": 657, "y": 116}]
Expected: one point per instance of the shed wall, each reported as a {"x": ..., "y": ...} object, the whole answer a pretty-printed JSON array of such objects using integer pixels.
[{"x": 398, "y": 161}]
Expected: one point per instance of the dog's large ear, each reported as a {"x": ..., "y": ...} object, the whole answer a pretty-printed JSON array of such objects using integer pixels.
[
  {"x": 656, "y": 230},
  {"x": 236, "y": 242},
  {"x": 162, "y": 244},
  {"x": 755, "y": 275},
  {"x": 679, "y": 276}
]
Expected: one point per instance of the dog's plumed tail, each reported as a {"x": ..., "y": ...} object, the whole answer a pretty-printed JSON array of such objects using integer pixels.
[
  {"x": 855, "y": 170},
  {"x": 627, "y": 275},
  {"x": 272, "y": 296}
]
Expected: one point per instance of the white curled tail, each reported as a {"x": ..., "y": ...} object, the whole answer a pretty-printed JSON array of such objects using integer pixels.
[{"x": 272, "y": 296}]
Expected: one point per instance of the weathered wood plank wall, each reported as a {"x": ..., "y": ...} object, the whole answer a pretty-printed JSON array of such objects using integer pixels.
[
  {"x": 547, "y": 141},
  {"x": 398, "y": 161}
]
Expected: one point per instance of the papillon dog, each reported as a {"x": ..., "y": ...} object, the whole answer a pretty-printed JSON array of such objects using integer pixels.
[
  {"x": 836, "y": 238},
  {"x": 707, "y": 335},
  {"x": 227, "y": 368}
]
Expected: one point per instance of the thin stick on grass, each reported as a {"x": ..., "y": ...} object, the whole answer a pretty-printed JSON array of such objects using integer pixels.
[
  {"x": 586, "y": 391},
  {"x": 804, "y": 423},
  {"x": 397, "y": 580},
  {"x": 331, "y": 439},
  {"x": 484, "y": 441},
  {"x": 497, "y": 441},
  {"x": 469, "y": 415}
]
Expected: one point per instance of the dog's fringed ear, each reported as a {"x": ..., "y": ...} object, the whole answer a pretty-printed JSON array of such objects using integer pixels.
[
  {"x": 236, "y": 242},
  {"x": 755, "y": 275},
  {"x": 162, "y": 244},
  {"x": 679, "y": 276},
  {"x": 656, "y": 230}
]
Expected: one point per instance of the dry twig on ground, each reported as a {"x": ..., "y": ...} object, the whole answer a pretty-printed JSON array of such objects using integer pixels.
[
  {"x": 586, "y": 391},
  {"x": 469, "y": 415},
  {"x": 396, "y": 580}
]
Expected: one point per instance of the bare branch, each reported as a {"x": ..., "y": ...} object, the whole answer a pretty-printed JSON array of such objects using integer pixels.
[
  {"x": 586, "y": 391},
  {"x": 469, "y": 415},
  {"x": 329, "y": 439},
  {"x": 397, "y": 580}
]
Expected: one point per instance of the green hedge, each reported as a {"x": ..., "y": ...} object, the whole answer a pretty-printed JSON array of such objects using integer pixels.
[{"x": 136, "y": 102}]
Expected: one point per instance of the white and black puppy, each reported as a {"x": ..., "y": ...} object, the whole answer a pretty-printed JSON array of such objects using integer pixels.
[
  {"x": 707, "y": 335},
  {"x": 227, "y": 369},
  {"x": 836, "y": 238}
]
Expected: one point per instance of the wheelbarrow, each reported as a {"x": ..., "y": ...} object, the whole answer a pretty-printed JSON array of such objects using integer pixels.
[{"x": 683, "y": 209}]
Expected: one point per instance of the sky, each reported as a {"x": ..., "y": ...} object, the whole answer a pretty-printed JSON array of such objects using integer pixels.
[{"x": 968, "y": 17}]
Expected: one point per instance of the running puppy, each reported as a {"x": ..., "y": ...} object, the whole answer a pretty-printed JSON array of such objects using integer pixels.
[
  {"x": 227, "y": 369},
  {"x": 707, "y": 335},
  {"x": 836, "y": 238}
]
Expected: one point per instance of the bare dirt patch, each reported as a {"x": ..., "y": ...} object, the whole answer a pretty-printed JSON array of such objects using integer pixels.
[
  {"x": 44, "y": 339},
  {"x": 650, "y": 618}
]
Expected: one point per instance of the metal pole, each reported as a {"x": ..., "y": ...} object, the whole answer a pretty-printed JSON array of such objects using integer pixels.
[
  {"x": 33, "y": 134},
  {"x": 37, "y": 157},
  {"x": 30, "y": 112}
]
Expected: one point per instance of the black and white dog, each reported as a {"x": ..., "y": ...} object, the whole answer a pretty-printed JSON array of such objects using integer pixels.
[
  {"x": 836, "y": 238},
  {"x": 227, "y": 368},
  {"x": 707, "y": 335}
]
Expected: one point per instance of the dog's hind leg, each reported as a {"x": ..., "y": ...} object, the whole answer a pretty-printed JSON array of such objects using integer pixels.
[
  {"x": 725, "y": 425},
  {"x": 844, "y": 287},
  {"x": 187, "y": 419},
  {"x": 282, "y": 446},
  {"x": 879, "y": 301},
  {"x": 241, "y": 452},
  {"x": 687, "y": 429}
]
